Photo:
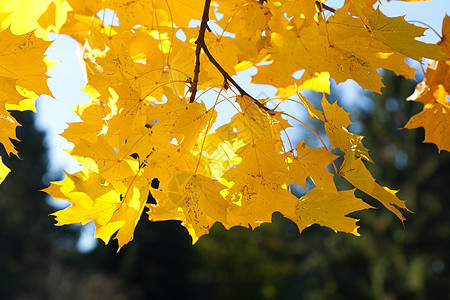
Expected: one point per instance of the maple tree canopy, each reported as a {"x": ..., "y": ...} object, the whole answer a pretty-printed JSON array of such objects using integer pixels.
[{"x": 156, "y": 83}]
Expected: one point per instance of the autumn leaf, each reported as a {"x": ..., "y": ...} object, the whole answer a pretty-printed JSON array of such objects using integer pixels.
[
  {"x": 4, "y": 170},
  {"x": 256, "y": 201},
  {"x": 7, "y": 130},
  {"x": 354, "y": 170},
  {"x": 259, "y": 186},
  {"x": 102, "y": 158},
  {"x": 435, "y": 118},
  {"x": 92, "y": 200},
  {"x": 88, "y": 130},
  {"x": 329, "y": 209},
  {"x": 433, "y": 92},
  {"x": 85, "y": 27},
  {"x": 398, "y": 34},
  {"x": 312, "y": 163},
  {"x": 130, "y": 110},
  {"x": 127, "y": 213},
  {"x": 21, "y": 58},
  {"x": 336, "y": 123},
  {"x": 40, "y": 16},
  {"x": 22, "y": 73},
  {"x": 147, "y": 13},
  {"x": 200, "y": 201}
]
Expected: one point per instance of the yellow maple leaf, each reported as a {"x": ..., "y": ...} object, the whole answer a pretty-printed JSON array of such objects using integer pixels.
[
  {"x": 445, "y": 42},
  {"x": 7, "y": 130},
  {"x": 200, "y": 200},
  {"x": 127, "y": 212},
  {"x": 336, "y": 122},
  {"x": 9, "y": 96},
  {"x": 312, "y": 163},
  {"x": 27, "y": 103},
  {"x": 132, "y": 13},
  {"x": 353, "y": 55},
  {"x": 254, "y": 122},
  {"x": 91, "y": 126},
  {"x": 219, "y": 149},
  {"x": 181, "y": 120},
  {"x": 226, "y": 52},
  {"x": 21, "y": 58},
  {"x": 433, "y": 92},
  {"x": 435, "y": 119},
  {"x": 398, "y": 34},
  {"x": 54, "y": 16},
  {"x": 167, "y": 160},
  {"x": 293, "y": 8},
  {"x": 91, "y": 199},
  {"x": 262, "y": 157},
  {"x": 131, "y": 111},
  {"x": 260, "y": 184},
  {"x": 164, "y": 209},
  {"x": 104, "y": 159},
  {"x": 94, "y": 200},
  {"x": 312, "y": 111},
  {"x": 150, "y": 13},
  {"x": 437, "y": 74},
  {"x": 249, "y": 18},
  {"x": 275, "y": 74},
  {"x": 4, "y": 170},
  {"x": 149, "y": 47},
  {"x": 29, "y": 15},
  {"x": 9, "y": 99},
  {"x": 256, "y": 199},
  {"x": 85, "y": 26},
  {"x": 354, "y": 170},
  {"x": 116, "y": 66},
  {"x": 328, "y": 209}
]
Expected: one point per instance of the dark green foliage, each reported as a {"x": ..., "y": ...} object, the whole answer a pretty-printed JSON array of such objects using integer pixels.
[
  {"x": 157, "y": 264},
  {"x": 26, "y": 229}
]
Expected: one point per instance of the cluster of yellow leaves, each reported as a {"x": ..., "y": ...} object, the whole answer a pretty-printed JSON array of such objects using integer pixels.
[
  {"x": 140, "y": 127},
  {"x": 23, "y": 65}
]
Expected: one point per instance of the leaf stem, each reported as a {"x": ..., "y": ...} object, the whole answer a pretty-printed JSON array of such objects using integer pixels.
[
  {"x": 429, "y": 27},
  {"x": 315, "y": 133}
]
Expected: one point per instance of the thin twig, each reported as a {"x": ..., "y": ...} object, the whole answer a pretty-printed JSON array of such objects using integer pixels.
[
  {"x": 324, "y": 6},
  {"x": 202, "y": 45},
  {"x": 231, "y": 80},
  {"x": 200, "y": 42},
  {"x": 315, "y": 133},
  {"x": 429, "y": 27}
]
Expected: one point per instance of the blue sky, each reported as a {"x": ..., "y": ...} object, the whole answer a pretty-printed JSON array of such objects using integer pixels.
[{"x": 68, "y": 79}]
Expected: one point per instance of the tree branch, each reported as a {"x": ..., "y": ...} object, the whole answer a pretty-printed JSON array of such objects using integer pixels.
[
  {"x": 200, "y": 42},
  {"x": 231, "y": 80},
  {"x": 324, "y": 6},
  {"x": 202, "y": 45}
]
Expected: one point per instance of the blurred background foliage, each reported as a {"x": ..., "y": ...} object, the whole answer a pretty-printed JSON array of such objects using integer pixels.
[{"x": 388, "y": 261}]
